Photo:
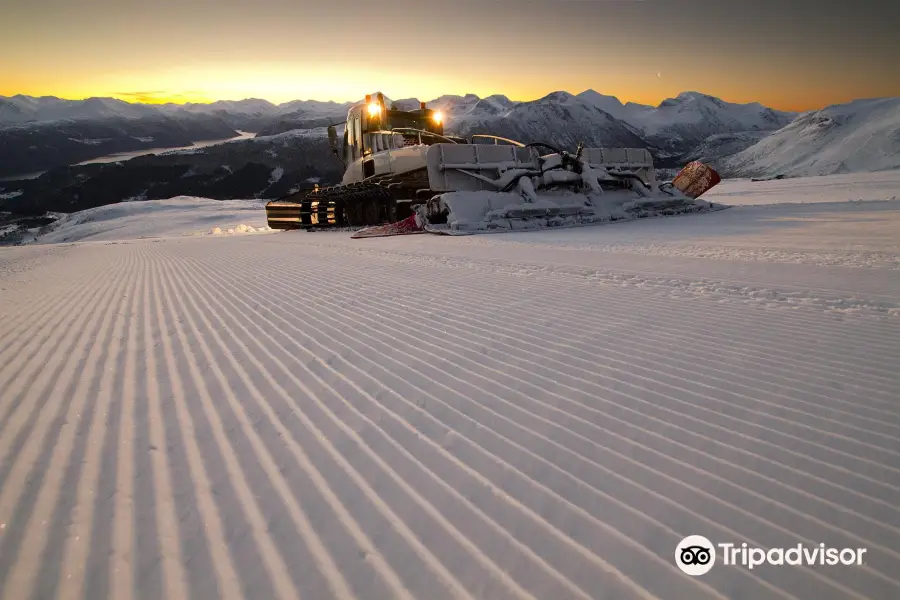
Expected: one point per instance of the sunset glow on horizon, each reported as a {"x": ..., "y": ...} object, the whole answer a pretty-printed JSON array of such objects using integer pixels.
[{"x": 797, "y": 56}]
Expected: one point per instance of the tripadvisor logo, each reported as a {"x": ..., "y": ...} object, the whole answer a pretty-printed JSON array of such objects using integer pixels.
[{"x": 696, "y": 555}]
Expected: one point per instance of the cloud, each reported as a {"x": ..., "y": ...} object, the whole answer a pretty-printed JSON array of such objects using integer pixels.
[
  {"x": 159, "y": 96},
  {"x": 157, "y": 93}
]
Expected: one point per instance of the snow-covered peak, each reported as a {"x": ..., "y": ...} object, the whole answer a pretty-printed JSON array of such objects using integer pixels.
[
  {"x": 452, "y": 100},
  {"x": 863, "y": 135},
  {"x": 456, "y": 99},
  {"x": 695, "y": 96},
  {"x": 564, "y": 103},
  {"x": 492, "y": 105},
  {"x": 454, "y": 107},
  {"x": 248, "y": 106},
  {"x": 313, "y": 106},
  {"x": 558, "y": 97},
  {"x": 406, "y": 104},
  {"x": 500, "y": 99},
  {"x": 558, "y": 118},
  {"x": 689, "y": 118},
  {"x": 609, "y": 104},
  {"x": 696, "y": 108}
]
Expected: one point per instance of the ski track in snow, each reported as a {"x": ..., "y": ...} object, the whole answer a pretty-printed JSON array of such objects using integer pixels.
[{"x": 300, "y": 415}]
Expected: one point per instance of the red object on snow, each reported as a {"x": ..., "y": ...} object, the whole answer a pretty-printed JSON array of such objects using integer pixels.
[
  {"x": 407, "y": 226},
  {"x": 695, "y": 179}
]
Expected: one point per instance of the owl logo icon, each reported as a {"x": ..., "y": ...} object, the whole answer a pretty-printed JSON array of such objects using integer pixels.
[{"x": 695, "y": 555}]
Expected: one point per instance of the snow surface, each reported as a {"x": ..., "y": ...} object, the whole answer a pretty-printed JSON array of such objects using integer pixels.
[
  {"x": 180, "y": 216},
  {"x": 277, "y": 174},
  {"x": 849, "y": 187},
  {"x": 863, "y": 135},
  {"x": 531, "y": 415},
  {"x": 90, "y": 142}
]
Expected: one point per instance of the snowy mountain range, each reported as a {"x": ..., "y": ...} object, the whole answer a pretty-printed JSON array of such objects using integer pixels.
[
  {"x": 688, "y": 118},
  {"x": 560, "y": 119},
  {"x": 669, "y": 130},
  {"x": 20, "y": 109},
  {"x": 680, "y": 123},
  {"x": 740, "y": 140},
  {"x": 673, "y": 128}
]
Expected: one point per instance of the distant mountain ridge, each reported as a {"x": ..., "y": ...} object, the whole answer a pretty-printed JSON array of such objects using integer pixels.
[
  {"x": 290, "y": 150},
  {"x": 23, "y": 109},
  {"x": 669, "y": 130},
  {"x": 19, "y": 109},
  {"x": 559, "y": 119}
]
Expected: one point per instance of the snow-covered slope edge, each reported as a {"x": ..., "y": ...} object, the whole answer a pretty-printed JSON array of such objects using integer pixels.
[
  {"x": 179, "y": 216},
  {"x": 720, "y": 146},
  {"x": 863, "y": 135}
]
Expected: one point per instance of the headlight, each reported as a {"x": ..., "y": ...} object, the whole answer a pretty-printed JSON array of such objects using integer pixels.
[
  {"x": 374, "y": 109},
  {"x": 438, "y": 117}
]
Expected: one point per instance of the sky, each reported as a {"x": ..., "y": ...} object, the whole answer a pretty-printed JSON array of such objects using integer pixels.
[{"x": 787, "y": 54}]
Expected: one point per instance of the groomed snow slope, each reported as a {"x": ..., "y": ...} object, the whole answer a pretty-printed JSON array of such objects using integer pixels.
[{"x": 537, "y": 415}]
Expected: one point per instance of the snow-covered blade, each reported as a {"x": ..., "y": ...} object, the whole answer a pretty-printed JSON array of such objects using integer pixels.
[
  {"x": 486, "y": 212},
  {"x": 503, "y": 188}
]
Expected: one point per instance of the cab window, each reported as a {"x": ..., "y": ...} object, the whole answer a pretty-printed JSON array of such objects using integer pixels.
[{"x": 351, "y": 141}]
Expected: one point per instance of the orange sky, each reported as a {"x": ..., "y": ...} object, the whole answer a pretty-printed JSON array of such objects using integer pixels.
[{"x": 790, "y": 55}]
